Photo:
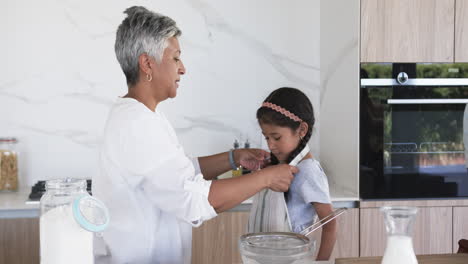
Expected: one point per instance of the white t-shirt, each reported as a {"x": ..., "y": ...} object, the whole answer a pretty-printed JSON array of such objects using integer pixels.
[{"x": 154, "y": 192}]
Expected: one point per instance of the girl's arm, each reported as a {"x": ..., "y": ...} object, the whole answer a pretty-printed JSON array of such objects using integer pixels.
[{"x": 328, "y": 231}]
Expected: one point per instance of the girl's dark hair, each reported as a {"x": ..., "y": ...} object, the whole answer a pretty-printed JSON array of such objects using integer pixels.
[{"x": 295, "y": 102}]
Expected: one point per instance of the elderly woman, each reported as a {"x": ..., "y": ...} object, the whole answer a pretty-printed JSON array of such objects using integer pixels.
[{"x": 155, "y": 193}]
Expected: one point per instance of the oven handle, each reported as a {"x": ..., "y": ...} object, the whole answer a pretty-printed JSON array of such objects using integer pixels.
[
  {"x": 415, "y": 82},
  {"x": 427, "y": 101}
]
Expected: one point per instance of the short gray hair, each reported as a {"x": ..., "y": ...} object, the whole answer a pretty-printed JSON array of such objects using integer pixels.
[{"x": 142, "y": 31}]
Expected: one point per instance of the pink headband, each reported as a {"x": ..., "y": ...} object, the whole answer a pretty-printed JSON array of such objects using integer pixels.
[{"x": 281, "y": 110}]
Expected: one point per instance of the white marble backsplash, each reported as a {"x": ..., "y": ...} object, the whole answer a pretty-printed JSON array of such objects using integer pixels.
[
  {"x": 59, "y": 74},
  {"x": 339, "y": 96}
]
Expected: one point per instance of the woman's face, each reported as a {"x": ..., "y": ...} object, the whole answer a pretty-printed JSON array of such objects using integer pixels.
[
  {"x": 167, "y": 73},
  {"x": 281, "y": 140}
]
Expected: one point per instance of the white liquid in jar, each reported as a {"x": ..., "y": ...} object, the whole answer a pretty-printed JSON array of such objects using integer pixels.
[
  {"x": 63, "y": 240},
  {"x": 399, "y": 250}
]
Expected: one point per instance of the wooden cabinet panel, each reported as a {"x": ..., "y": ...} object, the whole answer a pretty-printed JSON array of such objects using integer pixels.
[
  {"x": 461, "y": 31},
  {"x": 347, "y": 239},
  {"x": 19, "y": 241},
  {"x": 432, "y": 231},
  {"x": 407, "y": 30},
  {"x": 216, "y": 241},
  {"x": 460, "y": 225},
  {"x": 372, "y": 232}
]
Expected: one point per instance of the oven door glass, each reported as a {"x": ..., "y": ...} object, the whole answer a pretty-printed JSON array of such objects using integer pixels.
[{"x": 414, "y": 148}]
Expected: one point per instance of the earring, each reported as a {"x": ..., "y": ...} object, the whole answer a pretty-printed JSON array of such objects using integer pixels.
[{"x": 149, "y": 77}]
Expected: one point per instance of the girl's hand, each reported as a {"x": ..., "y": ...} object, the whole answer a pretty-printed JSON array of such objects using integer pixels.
[{"x": 252, "y": 159}]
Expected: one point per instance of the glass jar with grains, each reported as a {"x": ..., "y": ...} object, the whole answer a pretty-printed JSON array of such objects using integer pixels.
[{"x": 8, "y": 164}]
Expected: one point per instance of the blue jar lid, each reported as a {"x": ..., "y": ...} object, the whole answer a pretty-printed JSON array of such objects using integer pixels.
[{"x": 90, "y": 213}]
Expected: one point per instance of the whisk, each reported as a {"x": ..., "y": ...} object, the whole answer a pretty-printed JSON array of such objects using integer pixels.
[{"x": 307, "y": 231}]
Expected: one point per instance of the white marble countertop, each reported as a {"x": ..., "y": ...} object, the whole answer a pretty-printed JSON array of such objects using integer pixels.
[
  {"x": 334, "y": 199},
  {"x": 15, "y": 205},
  {"x": 338, "y": 202}
]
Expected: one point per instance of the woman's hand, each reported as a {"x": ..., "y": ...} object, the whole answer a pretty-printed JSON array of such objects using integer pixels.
[
  {"x": 252, "y": 159},
  {"x": 279, "y": 177}
]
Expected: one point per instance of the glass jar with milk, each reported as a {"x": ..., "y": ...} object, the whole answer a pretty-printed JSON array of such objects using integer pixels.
[
  {"x": 399, "y": 223},
  {"x": 70, "y": 217}
]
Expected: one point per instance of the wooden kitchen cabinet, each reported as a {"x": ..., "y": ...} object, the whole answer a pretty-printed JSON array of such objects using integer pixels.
[
  {"x": 347, "y": 240},
  {"x": 432, "y": 231},
  {"x": 409, "y": 30},
  {"x": 460, "y": 225},
  {"x": 461, "y": 31},
  {"x": 216, "y": 241},
  {"x": 19, "y": 241}
]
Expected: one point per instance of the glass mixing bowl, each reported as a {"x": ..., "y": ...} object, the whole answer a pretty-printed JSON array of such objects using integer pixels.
[{"x": 276, "y": 248}]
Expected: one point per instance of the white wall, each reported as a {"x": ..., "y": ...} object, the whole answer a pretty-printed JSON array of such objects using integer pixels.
[
  {"x": 59, "y": 75},
  {"x": 339, "y": 97}
]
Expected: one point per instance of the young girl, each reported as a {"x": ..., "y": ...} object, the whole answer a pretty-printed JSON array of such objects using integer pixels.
[{"x": 286, "y": 118}]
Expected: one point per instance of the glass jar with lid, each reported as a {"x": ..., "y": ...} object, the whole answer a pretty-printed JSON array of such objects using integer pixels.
[
  {"x": 69, "y": 219},
  {"x": 8, "y": 164}
]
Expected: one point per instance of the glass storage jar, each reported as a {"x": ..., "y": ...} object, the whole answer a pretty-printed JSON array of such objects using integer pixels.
[
  {"x": 8, "y": 164},
  {"x": 69, "y": 219}
]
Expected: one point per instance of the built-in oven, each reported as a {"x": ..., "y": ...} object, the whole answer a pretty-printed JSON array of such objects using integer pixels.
[{"x": 413, "y": 130}]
